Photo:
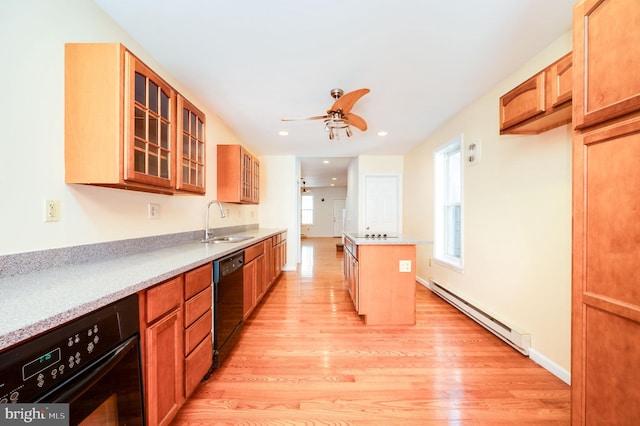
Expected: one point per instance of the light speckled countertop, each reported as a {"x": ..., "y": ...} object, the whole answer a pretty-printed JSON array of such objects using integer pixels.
[
  {"x": 33, "y": 303},
  {"x": 398, "y": 239}
]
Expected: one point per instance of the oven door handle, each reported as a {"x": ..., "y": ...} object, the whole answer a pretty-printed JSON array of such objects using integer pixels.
[{"x": 92, "y": 374}]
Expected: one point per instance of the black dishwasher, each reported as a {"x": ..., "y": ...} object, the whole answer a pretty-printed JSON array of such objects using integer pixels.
[{"x": 228, "y": 299}]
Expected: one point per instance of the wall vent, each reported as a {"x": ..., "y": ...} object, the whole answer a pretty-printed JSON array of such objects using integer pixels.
[{"x": 518, "y": 340}]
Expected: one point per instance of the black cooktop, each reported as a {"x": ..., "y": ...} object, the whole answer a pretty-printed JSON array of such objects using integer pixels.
[{"x": 375, "y": 235}]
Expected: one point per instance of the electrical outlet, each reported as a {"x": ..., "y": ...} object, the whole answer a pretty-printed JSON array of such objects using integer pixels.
[
  {"x": 154, "y": 211},
  {"x": 51, "y": 210},
  {"x": 405, "y": 266}
]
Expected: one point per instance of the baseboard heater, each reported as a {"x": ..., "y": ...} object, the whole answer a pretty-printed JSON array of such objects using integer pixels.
[{"x": 516, "y": 339}]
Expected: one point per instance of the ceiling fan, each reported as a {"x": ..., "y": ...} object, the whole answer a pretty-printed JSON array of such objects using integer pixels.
[{"x": 339, "y": 116}]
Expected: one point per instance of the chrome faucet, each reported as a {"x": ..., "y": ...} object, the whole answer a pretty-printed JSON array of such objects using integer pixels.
[{"x": 223, "y": 214}]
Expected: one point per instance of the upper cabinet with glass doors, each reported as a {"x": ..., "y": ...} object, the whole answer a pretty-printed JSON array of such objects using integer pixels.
[
  {"x": 121, "y": 124},
  {"x": 191, "y": 148},
  {"x": 238, "y": 175}
]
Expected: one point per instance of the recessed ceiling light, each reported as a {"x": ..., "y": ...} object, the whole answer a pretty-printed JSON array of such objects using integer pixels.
[
  {"x": 283, "y": 133},
  {"x": 382, "y": 133},
  {"x": 326, "y": 161},
  {"x": 333, "y": 184},
  {"x": 334, "y": 178}
]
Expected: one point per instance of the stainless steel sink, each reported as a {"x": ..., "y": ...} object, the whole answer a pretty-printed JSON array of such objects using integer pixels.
[{"x": 227, "y": 239}]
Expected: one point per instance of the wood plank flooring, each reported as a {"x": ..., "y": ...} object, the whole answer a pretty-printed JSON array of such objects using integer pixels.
[{"x": 305, "y": 358}]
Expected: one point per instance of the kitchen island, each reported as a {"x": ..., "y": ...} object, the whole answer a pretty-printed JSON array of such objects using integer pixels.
[{"x": 380, "y": 275}]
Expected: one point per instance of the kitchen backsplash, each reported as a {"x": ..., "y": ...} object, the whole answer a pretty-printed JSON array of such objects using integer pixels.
[{"x": 24, "y": 263}]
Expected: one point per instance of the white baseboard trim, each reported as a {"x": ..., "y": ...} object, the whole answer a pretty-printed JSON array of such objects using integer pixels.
[
  {"x": 550, "y": 366},
  {"x": 536, "y": 356}
]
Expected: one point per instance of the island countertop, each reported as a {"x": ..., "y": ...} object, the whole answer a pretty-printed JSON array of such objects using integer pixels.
[
  {"x": 36, "y": 302},
  {"x": 363, "y": 238}
]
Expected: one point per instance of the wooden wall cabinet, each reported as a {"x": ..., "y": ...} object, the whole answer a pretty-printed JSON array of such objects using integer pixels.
[
  {"x": 605, "y": 331},
  {"x": 191, "y": 148},
  {"x": 238, "y": 175},
  {"x": 198, "y": 321},
  {"x": 541, "y": 103},
  {"x": 161, "y": 330},
  {"x": 380, "y": 293},
  {"x": 120, "y": 123}
]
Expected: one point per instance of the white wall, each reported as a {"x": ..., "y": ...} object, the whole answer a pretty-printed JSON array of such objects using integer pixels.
[
  {"x": 33, "y": 34},
  {"x": 353, "y": 197},
  {"x": 279, "y": 190},
  {"x": 323, "y": 211},
  {"x": 517, "y": 218}
]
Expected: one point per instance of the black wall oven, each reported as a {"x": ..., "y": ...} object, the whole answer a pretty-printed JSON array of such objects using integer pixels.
[{"x": 92, "y": 363}]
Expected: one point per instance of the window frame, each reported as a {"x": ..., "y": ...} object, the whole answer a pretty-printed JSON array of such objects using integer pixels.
[
  {"x": 442, "y": 201},
  {"x": 303, "y": 210}
]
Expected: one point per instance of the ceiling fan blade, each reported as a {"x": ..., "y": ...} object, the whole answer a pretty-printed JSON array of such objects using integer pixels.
[
  {"x": 317, "y": 117},
  {"x": 357, "y": 121},
  {"x": 348, "y": 100}
]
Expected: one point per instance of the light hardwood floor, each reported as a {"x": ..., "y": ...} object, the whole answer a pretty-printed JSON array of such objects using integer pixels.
[{"x": 305, "y": 358}]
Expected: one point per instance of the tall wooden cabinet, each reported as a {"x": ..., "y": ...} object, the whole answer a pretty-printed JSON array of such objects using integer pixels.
[
  {"x": 121, "y": 124},
  {"x": 606, "y": 209}
]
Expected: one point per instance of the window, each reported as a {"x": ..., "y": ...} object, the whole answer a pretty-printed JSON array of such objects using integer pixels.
[
  {"x": 306, "y": 210},
  {"x": 447, "y": 244}
]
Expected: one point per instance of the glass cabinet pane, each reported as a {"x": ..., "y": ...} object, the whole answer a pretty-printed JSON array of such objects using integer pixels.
[
  {"x": 141, "y": 89},
  {"x": 140, "y": 124},
  {"x": 153, "y": 96},
  {"x": 153, "y": 130},
  {"x": 164, "y": 105}
]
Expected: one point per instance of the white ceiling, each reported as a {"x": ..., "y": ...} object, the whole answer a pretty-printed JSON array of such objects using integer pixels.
[{"x": 254, "y": 62}]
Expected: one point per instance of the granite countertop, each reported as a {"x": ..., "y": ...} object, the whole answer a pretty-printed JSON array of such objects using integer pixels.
[
  {"x": 35, "y": 302},
  {"x": 397, "y": 239}
]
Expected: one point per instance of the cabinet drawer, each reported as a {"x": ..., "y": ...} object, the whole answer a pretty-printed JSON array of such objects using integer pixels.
[
  {"x": 197, "y": 280},
  {"x": 163, "y": 298},
  {"x": 197, "y": 331},
  {"x": 252, "y": 252},
  {"x": 197, "y": 364},
  {"x": 197, "y": 305}
]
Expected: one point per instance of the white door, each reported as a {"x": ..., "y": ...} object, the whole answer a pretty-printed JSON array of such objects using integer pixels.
[
  {"x": 338, "y": 217},
  {"x": 382, "y": 204}
]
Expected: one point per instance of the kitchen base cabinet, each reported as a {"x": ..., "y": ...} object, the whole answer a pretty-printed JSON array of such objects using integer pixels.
[
  {"x": 177, "y": 345},
  {"x": 253, "y": 276},
  {"x": 161, "y": 331},
  {"x": 198, "y": 318}
]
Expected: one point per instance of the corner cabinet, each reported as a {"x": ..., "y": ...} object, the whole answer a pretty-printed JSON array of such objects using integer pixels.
[
  {"x": 120, "y": 123},
  {"x": 541, "y": 103},
  {"x": 238, "y": 175}
]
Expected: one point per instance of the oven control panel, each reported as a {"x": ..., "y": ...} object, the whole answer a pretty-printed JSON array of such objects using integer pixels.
[{"x": 31, "y": 370}]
